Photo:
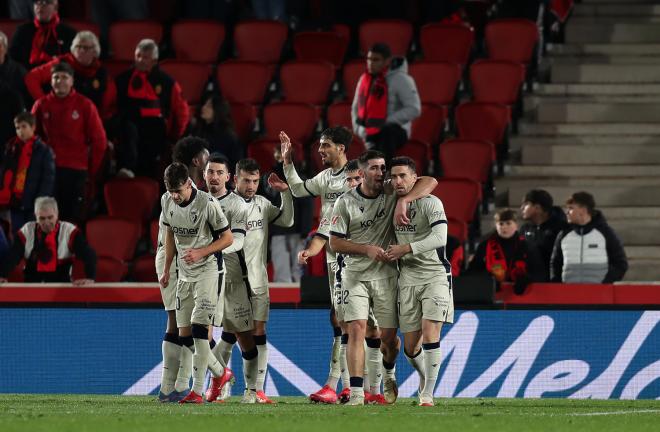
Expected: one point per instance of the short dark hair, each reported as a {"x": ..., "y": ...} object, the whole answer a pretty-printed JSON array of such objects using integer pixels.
[
  {"x": 403, "y": 161},
  {"x": 248, "y": 165},
  {"x": 540, "y": 197},
  {"x": 25, "y": 117},
  {"x": 583, "y": 199},
  {"x": 505, "y": 214},
  {"x": 62, "y": 67},
  {"x": 382, "y": 49},
  {"x": 368, "y": 155},
  {"x": 176, "y": 175},
  {"x": 219, "y": 158},
  {"x": 187, "y": 148},
  {"x": 352, "y": 165},
  {"x": 339, "y": 135}
]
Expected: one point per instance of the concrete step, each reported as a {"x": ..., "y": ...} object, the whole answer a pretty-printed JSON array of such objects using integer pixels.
[
  {"x": 532, "y": 101},
  {"x": 596, "y": 140},
  {"x": 607, "y": 49},
  {"x": 620, "y": 2},
  {"x": 619, "y": 32},
  {"x": 639, "y": 160},
  {"x": 535, "y": 166},
  {"x": 615, "y": 10},
  {"x": 553, "y": 129},
  {"x": 510, "y": 192},
  {"x": 597, "y": 90},
  {"x": 643, "y": 253},
  {"x": 580, "y": 112},
  {"x": 643, "y": 270},
  {"x": 626, "y": 19},
  {"x": 604, "y": 59},
  {"x": 605, "y": 73}
]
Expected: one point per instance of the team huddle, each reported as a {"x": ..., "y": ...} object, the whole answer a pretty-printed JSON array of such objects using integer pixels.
[{"x": 384, "y": 235}]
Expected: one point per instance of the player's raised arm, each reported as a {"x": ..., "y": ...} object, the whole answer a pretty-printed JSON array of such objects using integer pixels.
[
  {"x": 423, "y": 187},
  {"x": 284, "y": 215},
  {"x": 299, "y": 188}
]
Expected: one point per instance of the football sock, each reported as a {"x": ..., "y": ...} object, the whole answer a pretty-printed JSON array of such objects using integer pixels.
[
  {"x": 432, "y": 359},
  {"x": 250, "y": 368},
  {"x": 171, "y": 348},
  {"x": 262, "y": 359},
  {"x": 185, "y": 364},
  {"x": 345, "y": 376},
  {"x": 203, "y": 359},
  {"x": 335, "y": 363},
  {"x": 222, "y": 350},
  {"x": 374, "y": 363},
  {"x": 357, "y": 386},
  {"x": 417, "y": 362}
]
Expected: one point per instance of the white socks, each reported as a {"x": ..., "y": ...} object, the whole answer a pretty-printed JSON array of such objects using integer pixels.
[
  {"x": 432, "y": 359},
  {"x": 185, "y": 364},
  {"x": 374, "y": 364},
  {"x": 335, "y": 363},
  {"x": 250, "y": 368},
  {"x": 171, "y": 353},
  {"x": 262, "y": 360},
  {"x": 345, "y": 375},
  {"x": 417, "y": 362}
]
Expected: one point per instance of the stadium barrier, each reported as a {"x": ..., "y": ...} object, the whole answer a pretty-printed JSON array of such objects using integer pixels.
[{"x": 596, "y": 354}]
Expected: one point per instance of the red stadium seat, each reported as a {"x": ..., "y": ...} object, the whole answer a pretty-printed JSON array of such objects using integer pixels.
[
  {"x": 356, "y": 148},
  {"x": 351, "y": 74},
  {"x": 436, "y": 82},
  {"x": 320, "y": 46},
  {"x": 298, "y": 120},
  {"x": 131, "y": 199},
  {"x": 263, "y": 150},
  {"x": 260, "y": 41},
  {"x": 460, "y": 197},
  {"x": 511, "y": 40},
  {"x": 458, "y": 229},
  {"x": 429, "y": 125},
  {"x": 192, "y": 77},
  {"x": 197, "y": 40},
  {"x": 447, "y": 42},
  {"x": 115, "y": 67},
  {"x": 343, "y": 30},
  {"x": 419, "y": 151},
  {"x": 244, "y": 116},
  {"x": 307, "y": 81},
  {"x": 470, "y": 159},
  {"x": 397, "y": 34},
  {"x": 144, "y": 269},
  {"x": 108, "y": 270},
  {"x": 8, "y": 27},
  {"x": 496, "y": 81},
  {"x": 125, "y": 35},
  {"x": 80, "y": 25},
  {"x": 243, "y": 81},
  {"x": 339, "y": 114},
  {"x": 482, "y": 121},
  {"x": 113, "y": 238}
]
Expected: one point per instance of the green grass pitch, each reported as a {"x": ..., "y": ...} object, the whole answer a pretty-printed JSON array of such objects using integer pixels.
[{"x": 127, "y": 414}]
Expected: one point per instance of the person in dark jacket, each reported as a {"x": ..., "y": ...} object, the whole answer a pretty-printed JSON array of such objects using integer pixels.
[
  {"x": 48, "y": 247},
  {"x": 588, "y": 251},
  {"x": 543, "y": 221},
  {"x": 37, "y": 42},
  {"x": 152, "y": 112},
  {"x": 12, "y": 92},
  {"x": 26, "y": 173},
  {"x": 505, "y": 254}
]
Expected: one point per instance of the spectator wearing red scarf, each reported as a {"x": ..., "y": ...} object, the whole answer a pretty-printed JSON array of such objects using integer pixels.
[
  {"x": 91, "y": 79},
  {"x": 506, "y": 255},
  {"x": 48, "y": 247},
  {"x": 37, "y": 42},
  {"x": 71, "y": 126},
  {"x": 386, "y": 102},
  {"x": 26, "y": 173},
  {"x": 152, "y": 113}
]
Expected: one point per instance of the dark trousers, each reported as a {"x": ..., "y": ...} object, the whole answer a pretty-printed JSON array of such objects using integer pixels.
[
  {"x": 390, "y": 138},
  {"x": 70, "y": 187},
  {"x": 143, "y": 141}
]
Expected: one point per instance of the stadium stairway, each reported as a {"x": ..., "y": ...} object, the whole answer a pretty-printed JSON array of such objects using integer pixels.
[{"x": 595, "y": 125}]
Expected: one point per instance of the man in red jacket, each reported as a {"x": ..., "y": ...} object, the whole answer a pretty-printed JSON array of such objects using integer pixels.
[{"x": 70, "y": 124}]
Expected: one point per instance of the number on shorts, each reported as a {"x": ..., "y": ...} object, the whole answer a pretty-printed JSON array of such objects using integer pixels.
[{"x": 342, "y": 297}]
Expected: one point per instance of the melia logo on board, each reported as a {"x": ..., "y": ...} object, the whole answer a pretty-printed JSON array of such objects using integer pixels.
[{"x": 541, "y": 353}]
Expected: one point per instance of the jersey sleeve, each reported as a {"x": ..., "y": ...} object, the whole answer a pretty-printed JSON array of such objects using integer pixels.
[
  {"x": 282, "y": 216},
  {"x": 238, "y": 221},
  {"x": 339, "y": 219},
  {"x": 164, "y": 217},
  {"x": 302, "y": 188},
  {"x": 435, "y": 214}
]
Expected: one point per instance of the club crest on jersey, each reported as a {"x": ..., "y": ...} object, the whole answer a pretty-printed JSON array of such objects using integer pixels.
[
  {"x": 75, "y": 115},
  {"x": 171, "y": 213},
  {"x": 412, "y": 213},
  {"x": 361, "y": 209},
  {"x": 194, "y": 215}
]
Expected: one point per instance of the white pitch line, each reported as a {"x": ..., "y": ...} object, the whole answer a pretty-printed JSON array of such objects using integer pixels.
[{"x": 604, "y": 413}]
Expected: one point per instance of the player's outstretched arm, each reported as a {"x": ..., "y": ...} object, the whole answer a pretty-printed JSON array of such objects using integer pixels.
[
  {"x": 314, "y": 248},
  {"x": 423, "y": 187},
  {"x": 284, "y": 217},
  {"x": 299, "y": 187}
]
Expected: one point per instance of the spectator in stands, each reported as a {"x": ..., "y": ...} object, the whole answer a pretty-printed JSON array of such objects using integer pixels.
[
  {"x": 37, "y": 42},
  {"x": 193, "y": 153},
  {"x": 213, "y": 123},
  {"x": 48, "y": 247},
  {"x": 386, "y": 101},
  {"x": 90, "y": 80},
  {"x": 20, "y": 10},
  {"x": 11, "y": 81},
  {"x": 543, "y": 222},
  {"x": 505, "y": 254},
  {"x": 26, "y": 173},
  {"x": 70, "y": 124},
  {"x": 588, "y": 250},
  {"x": 152, "y": 111},
  {"x": 269, "y": 9},
  {"x": 105, "y": 12}
]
